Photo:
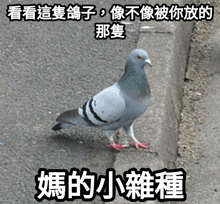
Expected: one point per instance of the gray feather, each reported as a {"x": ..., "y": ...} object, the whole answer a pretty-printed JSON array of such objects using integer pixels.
[{"x": 118, "y": 105}]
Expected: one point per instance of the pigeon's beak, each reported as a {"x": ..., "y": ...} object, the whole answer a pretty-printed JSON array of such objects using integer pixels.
[{"x": 148, "y": 62}]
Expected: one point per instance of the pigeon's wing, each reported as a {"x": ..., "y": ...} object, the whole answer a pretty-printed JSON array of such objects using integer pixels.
[{"x": 106, "y": 107}]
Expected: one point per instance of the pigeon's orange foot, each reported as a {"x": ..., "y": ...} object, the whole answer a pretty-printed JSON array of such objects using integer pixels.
[
  {"x": 116, "y": 146},
  {"x": 138, "y": 144}
]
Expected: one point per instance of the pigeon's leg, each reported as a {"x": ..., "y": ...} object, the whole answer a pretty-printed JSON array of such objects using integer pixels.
[
  {"x": 110, "y": 134},
  {"x": 129, "y": 129}
]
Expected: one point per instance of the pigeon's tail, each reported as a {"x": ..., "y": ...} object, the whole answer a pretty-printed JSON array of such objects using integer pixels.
[
  {"x": 68, "y": 119},
  {"x": 61, "y": 126},
  {"x": 57, "y": 127}
]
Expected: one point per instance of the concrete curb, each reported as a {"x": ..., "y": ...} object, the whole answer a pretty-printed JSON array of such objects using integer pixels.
[{"x": 167, "y": 44}]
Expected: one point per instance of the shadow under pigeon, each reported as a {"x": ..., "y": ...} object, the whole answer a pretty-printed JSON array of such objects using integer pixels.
[
  {"x": 79, "y": 153},
  {"x": 71, "y": 141},
  {"x": 82, "y": 146}
]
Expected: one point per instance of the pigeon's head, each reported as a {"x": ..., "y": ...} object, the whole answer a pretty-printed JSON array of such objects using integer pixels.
[{"x": 139, "y": 57}]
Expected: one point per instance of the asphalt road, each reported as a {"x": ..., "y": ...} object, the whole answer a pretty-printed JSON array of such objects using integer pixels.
[{"x": 47, "y": 68}]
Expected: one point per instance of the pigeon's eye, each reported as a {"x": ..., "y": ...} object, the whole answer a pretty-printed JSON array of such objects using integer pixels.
[{"x": 139, "y": 57}]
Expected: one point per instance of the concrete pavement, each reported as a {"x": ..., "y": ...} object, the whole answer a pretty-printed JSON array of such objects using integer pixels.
[
  {"x": 50, "y": 67},
  {"x": 159, "y": 125},
  {"x": 47, "y": 68},
  {"x": 199, "y": 129}
]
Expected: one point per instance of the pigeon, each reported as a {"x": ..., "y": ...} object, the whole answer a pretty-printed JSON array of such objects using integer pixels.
[{"x": 117, "y": 106}]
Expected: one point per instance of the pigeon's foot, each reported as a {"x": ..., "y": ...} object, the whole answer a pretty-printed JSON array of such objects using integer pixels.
[
  {"x": 116, "y": 146},
  {"x": 138, "y": 144}
]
